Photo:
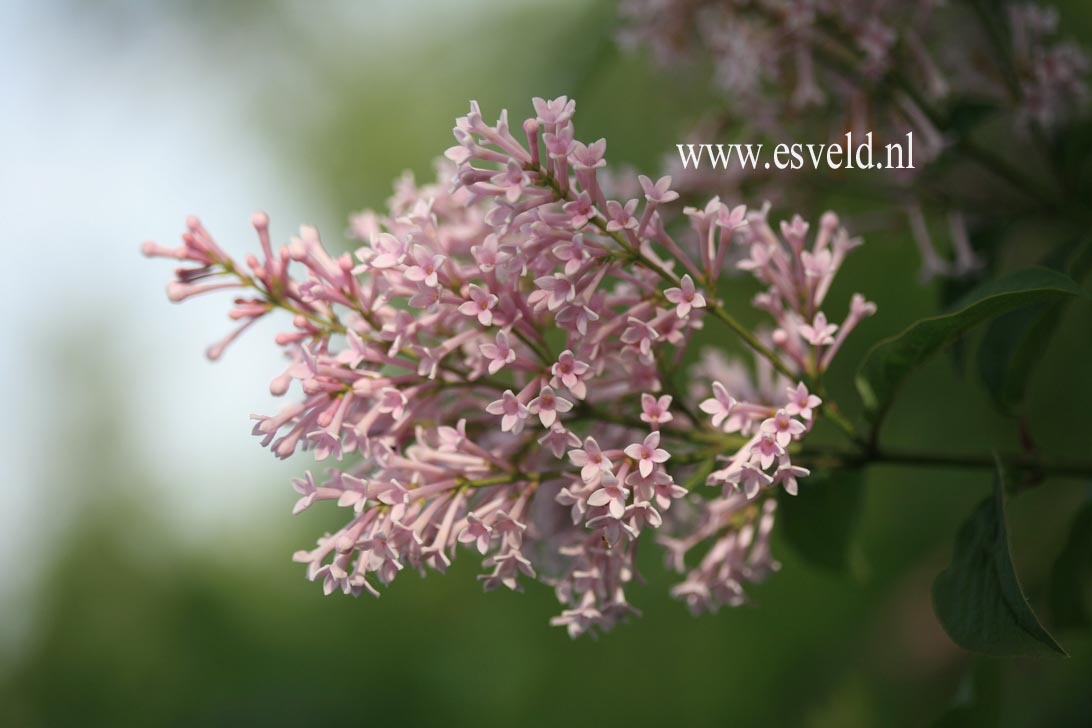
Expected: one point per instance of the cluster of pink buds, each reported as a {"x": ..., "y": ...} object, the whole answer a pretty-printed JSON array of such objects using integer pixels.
[
  {"x": 799, "y": 277},
  {"x": 495, "y": 368}
]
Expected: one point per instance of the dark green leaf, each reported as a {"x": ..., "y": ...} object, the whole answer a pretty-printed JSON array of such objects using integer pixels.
[
  {"x": 1012, "y": 347},
  {"x": 890, "y": 361},
  {"x": 977, "y": 702},
  {"x": 819, "y": 522},
  {"x": 953, "y": 290},
  {"x": 1071, "y": 578},
  {"x": 978, "y": 598},
  {"x": 985, "y": 240},
  {"x": 1014, "y": 342}
]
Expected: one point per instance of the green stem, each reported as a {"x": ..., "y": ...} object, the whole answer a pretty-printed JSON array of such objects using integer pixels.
[{"x": 748, "y": 338}]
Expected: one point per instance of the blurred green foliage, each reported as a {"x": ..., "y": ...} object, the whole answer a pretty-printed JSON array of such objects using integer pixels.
[{"x": 130, "y": 629}]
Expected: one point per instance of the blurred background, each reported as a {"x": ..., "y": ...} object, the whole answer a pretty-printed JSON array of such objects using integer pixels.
[{"x": 145, "y": 537}]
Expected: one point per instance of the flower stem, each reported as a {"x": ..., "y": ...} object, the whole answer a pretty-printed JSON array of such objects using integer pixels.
[{"x": 751, "y": 340}]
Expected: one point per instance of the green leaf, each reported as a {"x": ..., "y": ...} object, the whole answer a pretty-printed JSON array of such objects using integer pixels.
[
  {"x": 819, "y": 522},
  {"x": 1012, "y": 347},
  {"x": 951, "y": 291},
  {"x": 978, "y": 598},
  {"x": 977, "y": 702},
  {"x": 986, "y": 238},
  {"x": 889, "y": 362},
  {"x": 1014, "y": 342},
  {"x": 1071, "y": 578}
]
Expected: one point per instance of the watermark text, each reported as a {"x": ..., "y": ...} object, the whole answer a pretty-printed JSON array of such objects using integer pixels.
[{"x": 785, "y": 156}]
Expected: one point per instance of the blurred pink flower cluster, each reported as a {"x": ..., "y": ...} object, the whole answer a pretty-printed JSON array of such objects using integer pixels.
[
  {"x": 814, "y": 70},
  {"x": 495, "y": 367},
  {"x": 775, "y": 58}
]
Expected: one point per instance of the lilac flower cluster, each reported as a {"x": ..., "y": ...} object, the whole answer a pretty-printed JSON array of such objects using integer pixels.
[
  {"x": 775, "y": 58},
  {"x": 1052, "y": 76},
  {"x": 794, "y": 68},
  {"x": 492, "y": 368}
]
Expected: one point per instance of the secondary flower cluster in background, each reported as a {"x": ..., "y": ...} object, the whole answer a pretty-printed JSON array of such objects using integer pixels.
[
  {"x": 815, "y": 69},
  {"x": 777, "y": 57},
  {"x": 494, "y": 368}
]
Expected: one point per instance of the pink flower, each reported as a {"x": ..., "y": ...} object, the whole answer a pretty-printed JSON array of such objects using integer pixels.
[
  {"x": 569, "y": 372},
  {"x": 658, "y": 192},
  {"x": 547, "y": 405},
  {"x": 590, "y": 156},
  {"x": 719, "y": 406},
  {"x": 356, "y": 352},
  {"x": 648, "y": 453},
  {"x": 819, "y": 332},
  {"x": 500, "y": 353},
  {"x": 620, "y": 217},
  {"x": 685, "y": 297},
  {"x": 730, "y": 218},
  {"x": 860, "y": 308},
  {"x": 558, "y": 439},
  {"x": 487, "y": 254},
  {"x": 818, "y": 264},
  {"x": 476, "y": 532},
  {"x": 393, "y": 402},
  {"x": 640, "y": 334},
  {"x": 752, "y": 480},
  {"x": 452, "y": 438},
  {"x": 579, "y": 210},
  {"x": 590, "y": 460},
  {"x": 783, "y": 427},
  {"x": 512, "y": 412},
  {"x": 426, "y": 266},
  {"x": 390, "y": 251},
  {"x": 801, "y": 402},
  {"x": 559, "y": 145},
  {"x": 506, "y": 570},
  {"x": 759, "y": 260},
  {"x": 578, "y": 506},
  {"x": 655, "y": 411},
  {"x": 509, "y": 527},
  {"x": 642, "y": 514},
  {"x": 787, "y": 475},
  {"x": 553, "y": 290},
  {"x": 426, "y": 297},
  {"x": 555, "y": 111},
  {"x": 576, "y": 318},
  {"x": 512, "y": 181},
  {"x": 481, "y": 304},
  {"x": 611, "y": 494},
  {"x": 573, "y": 252},
  {"x": 665, "y": 490},
  {"x": 767, "y": 449}
]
